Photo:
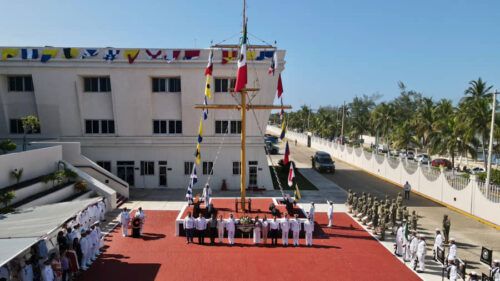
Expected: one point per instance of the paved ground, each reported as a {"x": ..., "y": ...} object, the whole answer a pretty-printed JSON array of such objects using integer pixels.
[{"x": 470, "y": 234}]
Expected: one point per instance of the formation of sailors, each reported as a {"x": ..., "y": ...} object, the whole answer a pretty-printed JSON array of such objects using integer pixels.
[{"x": 262, "y": 229}]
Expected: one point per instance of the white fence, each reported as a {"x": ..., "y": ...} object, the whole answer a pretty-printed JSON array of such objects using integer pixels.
[{"x": 467, "y": 195}]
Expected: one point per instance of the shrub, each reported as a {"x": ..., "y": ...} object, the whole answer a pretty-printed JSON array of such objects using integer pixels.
[
  {"x": 81, "y": 186},
  {"x": 495, "y": 176},
  {"x": 6, "y": 146}
]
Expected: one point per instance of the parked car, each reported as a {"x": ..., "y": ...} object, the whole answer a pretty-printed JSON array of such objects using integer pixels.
[
  {"x": 272, "y": 148},
  {"x": 271, "y": 139},
  {"x": 477, "y": 170},
  {"x": 423, "y": 158},
  {"x": 322, "y": 161},
  {"x": 441, "y": 162}
]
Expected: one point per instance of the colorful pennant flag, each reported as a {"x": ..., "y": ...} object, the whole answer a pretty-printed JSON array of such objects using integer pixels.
[
  {"x": 111, "y": 55},
  {"x": 229, "y": 56},
  {"x": 208, "y": 74},
  {"x": 283, "y": 127},
  {"x": 205, "y": 110},
  {"x": 274, "y": 64},
  {"x": 131, "y": 55},
  {"x": 193, "y": 179},
  {"x": 241, "y": 75},
  {"x": 197, "y": 154},
  {"x": 71, "y": 53},
  {"x": 171, "y": 55},
  {"x": 297, "y": 194},
  {"x": 291, "y": 175},
  {"x": 89, "y": 53},
  {"x": 251, "y": 55},
  {"x": 29, "y": 54},
  {"x": 282, "y": 111},
  {"x": 265, "y": 55},
  {"x": 191, "y": 54},
  {"x": 153, "y": 54},
  {"x": 8, "y": 53},
  {"x": 279, "y": 88},
  {"x": 200, "y": 132},
  {"x": 286, "y": 158},
  {"x": 48, "y": 54}
]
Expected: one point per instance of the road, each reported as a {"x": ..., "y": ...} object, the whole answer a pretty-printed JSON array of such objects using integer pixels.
[{"x": 469, "y": 233}]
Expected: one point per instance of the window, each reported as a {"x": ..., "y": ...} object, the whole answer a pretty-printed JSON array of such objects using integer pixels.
[
  {"x": 224, "y": 85},
  {"x": 105, "y": 164},
  {"x": 99, "y": 126},
  {"x": 188, "y": 168},
  {"x": 16, "y": 127},
  {"x": 167, "y": 127},
  {"x": 175, "y": 127},
  {"x": 170, "y": 85},
  {"x": 97, "y": 84},
  {"x": 162, "y": 173},
  {"x": 20, "y": 84},
  {"x": 253, "y": 163},
  {"x": 222, "y": 127},
  {"x": 208, "y": 168},
  {"x": 147, "y": 168},
  {"x": 235, "y": 127},
  {"x": 236, "y": 168}
]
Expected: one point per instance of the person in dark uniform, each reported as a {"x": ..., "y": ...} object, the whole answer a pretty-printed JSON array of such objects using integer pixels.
[
  {"x": 274, "y": 227},
  {"x": 212, "y": 226}
]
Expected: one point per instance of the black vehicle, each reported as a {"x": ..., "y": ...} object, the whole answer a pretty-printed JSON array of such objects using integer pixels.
[
  {"x": 273, "y": 149},
  {"x": 323, "y": 162}
]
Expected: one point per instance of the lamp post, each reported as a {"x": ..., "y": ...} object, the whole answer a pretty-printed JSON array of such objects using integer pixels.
[{"x": 490, "y": 145}]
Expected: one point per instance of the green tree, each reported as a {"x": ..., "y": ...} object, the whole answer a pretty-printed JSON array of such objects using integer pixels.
[
  {"x": 6, "y": 146},
  {"x": 31, "y": 125},
  {"x": 383, "y": 118}
]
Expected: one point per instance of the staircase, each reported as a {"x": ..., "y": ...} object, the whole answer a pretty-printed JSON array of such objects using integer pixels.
[{"x": 120, "y": 200}]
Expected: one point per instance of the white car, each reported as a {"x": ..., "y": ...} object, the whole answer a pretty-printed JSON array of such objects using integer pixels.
[{"x": 423, "y": 158}]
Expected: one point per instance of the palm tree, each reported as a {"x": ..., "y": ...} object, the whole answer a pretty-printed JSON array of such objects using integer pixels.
[
  {"x": 382, "y": 119},
  {"x": 403, "y": 136},
  {"x": 444, "y": 139},
  {"x": 478, "y": 89},
  {"x": 423, "y": 120}
]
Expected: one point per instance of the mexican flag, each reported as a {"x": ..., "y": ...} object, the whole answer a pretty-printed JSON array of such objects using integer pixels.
[{"x": 241, "y": 76}]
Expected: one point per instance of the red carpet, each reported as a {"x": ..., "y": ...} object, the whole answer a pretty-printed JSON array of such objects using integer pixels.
[{"x": 342, "y": 254}]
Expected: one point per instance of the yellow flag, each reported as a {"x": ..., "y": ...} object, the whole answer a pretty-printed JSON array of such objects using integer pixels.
[
  {"x": 131, "y": 55},
  {"x": 9, "y": 53},
  {"x": 208, "y": 87},
  {"x": 198, "y": 154},
  {"x": 251, "y": 55},
  {"x": 200, "y": 131}
]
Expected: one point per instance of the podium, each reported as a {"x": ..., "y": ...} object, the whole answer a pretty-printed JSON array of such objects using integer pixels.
[{"x": 136, "y": 227}]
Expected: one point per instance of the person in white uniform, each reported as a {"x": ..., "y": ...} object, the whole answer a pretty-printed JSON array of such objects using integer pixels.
[
  {"x": 309, "y": 229},
  {"x": 452, "y": 271},
  {"x": 140, "y": 214},
  {"x": 201, "y": 228},
  {"x": 421, "y": 252},
  {"x": 207, "y": 194},
  {"x": 189, "y": 225},
  {"x": 285, "y": 230},
  {"x": 312, "y": 210},
  {"x": 330, "y": 214},
  {"x": 274, "y": 227},
  {"x": 47, "y": 272},
  {"x": 413, "y": 249},
  {"x": 438, "y": 242},
  {"x": 220, "y": 228},
  {"x": 26, "y": 271},
  {"x": 85, "y": 246},
  {"x": 257, "y": 229},
  {"x": 231, "y": 228},
  {"x": 102, "y": 210},
  {"x": 452, "y": 252},
  {"x": 125, "y": 220},
  {"x": 95, "y": 243},
  {"x": 398, "y": 251},
  {"x": 495, "y": 270},
  {"x": 295, "y": 227}
]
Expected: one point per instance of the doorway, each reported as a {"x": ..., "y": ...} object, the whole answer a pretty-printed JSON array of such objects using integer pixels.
[
  {"x": 252, "y": 174},
  {"x": 162, "y": 175},
  {"x": 125, "y": 171}
]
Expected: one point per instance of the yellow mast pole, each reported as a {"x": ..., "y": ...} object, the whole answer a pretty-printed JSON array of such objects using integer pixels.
[{"x": 243, "y": 148}]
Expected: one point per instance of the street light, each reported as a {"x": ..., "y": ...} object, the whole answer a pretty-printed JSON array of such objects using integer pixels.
[{"x": 490, "y": 145}]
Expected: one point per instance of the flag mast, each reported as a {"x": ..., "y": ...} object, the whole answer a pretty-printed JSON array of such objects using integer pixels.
[{"x": 243, "y": 107}]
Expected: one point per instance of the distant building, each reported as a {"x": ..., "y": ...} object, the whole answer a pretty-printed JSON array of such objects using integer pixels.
[{"x": 137, "y": 119}]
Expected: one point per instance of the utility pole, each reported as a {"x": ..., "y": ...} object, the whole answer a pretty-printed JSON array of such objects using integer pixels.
[
  {"x": 342, "y": 129},
  {"x": 490, "y": 145}
]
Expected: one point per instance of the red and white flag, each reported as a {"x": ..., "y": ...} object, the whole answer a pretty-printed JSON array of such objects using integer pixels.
[
  {"x": 279, "y": 89},
  {"x": 241, "y": 75},
  {"x": 210, "y": 65},
  {"x": 291, "y": 175}
]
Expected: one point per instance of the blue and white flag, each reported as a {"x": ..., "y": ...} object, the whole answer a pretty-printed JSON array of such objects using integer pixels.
[
  {"x": 205, "y": 110},
  {"x": 265, "y": 55},
  {"x": 29, "y": 54},
  {"x": 111, "y": 55},
  {"x": 87, "y": 53},
  {"x": 193, "y": 180}
]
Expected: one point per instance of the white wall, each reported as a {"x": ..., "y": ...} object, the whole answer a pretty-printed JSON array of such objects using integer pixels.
[
  {"x": 467, "y": 196},
  {"x": 36, "y": 162}
]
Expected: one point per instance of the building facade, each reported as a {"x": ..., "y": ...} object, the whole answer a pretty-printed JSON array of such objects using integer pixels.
[{"x": 134, "y": 115}]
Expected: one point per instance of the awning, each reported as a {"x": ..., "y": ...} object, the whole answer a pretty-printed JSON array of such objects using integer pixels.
[{"x": 24, "y": 228}]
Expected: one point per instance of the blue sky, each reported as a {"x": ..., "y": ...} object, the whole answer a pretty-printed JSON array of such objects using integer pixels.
[{"x": 335, "y": 49}]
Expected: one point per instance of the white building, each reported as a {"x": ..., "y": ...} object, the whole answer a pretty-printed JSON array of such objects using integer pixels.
[{"x": 137, "y": 119}]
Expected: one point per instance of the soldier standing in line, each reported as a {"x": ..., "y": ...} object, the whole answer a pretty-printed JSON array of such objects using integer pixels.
[
  {"x": 414, "y": 219},
  {"x": 446, "y": 228}
]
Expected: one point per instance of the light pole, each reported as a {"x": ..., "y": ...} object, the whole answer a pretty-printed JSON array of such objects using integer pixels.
[{"x": 490, "y": 145}]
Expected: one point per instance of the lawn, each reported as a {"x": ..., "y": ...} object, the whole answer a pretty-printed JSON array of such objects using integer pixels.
[{"x": 303, "y": 183}]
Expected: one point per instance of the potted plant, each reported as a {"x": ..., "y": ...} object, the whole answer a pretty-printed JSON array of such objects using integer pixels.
[
  {"x": 6, "y": 196},
  {"x": 17, "y": 174},
  {"x": 31, "y": 125},
  {"x": 81, "y": 186},
  {"x": 7, "y": 145}
]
